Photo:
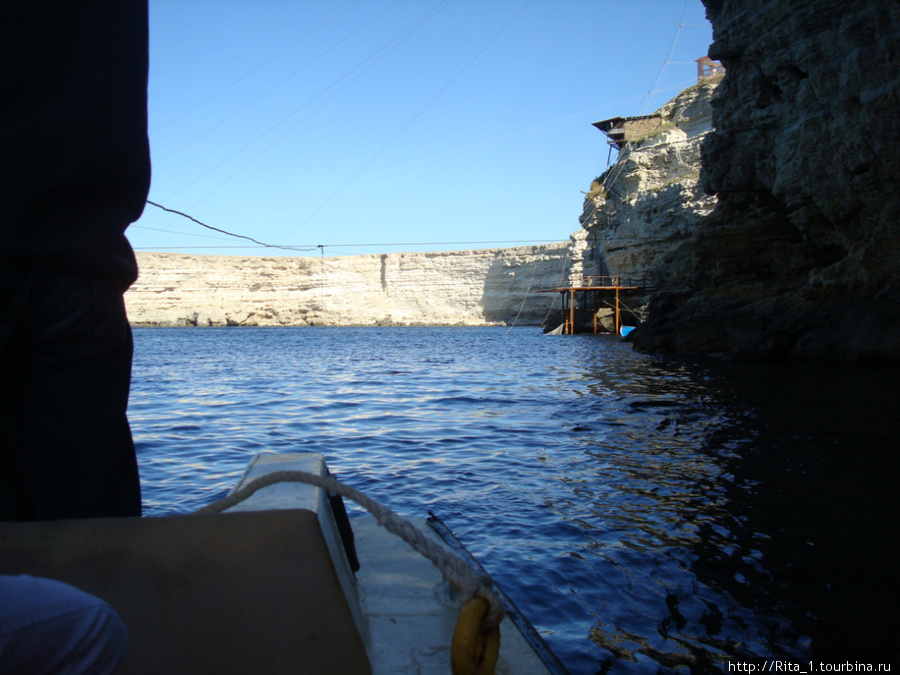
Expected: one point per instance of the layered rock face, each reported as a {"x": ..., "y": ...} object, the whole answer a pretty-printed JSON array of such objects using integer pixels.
[
  {"x": 651, "y": 200},
  {"x": 801, "y": 256},
  {"x": 483, "y": 287}
]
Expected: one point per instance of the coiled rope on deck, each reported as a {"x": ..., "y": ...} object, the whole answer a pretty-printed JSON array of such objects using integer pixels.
[{"x": 469, "y": 584}]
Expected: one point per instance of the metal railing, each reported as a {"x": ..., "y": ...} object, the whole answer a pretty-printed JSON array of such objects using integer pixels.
[{"x": 641, "y": 283}]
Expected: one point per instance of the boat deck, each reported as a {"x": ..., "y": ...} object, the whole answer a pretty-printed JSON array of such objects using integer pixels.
[{"x": 262, "y": 588}]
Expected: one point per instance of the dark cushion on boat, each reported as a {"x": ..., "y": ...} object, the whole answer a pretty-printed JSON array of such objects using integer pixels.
[{"x": 250, "y": 592}]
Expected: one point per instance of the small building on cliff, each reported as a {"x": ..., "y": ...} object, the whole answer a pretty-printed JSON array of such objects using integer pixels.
[
  {"x": 622, "y": 130},
  {"x": 707, "y": 68}
]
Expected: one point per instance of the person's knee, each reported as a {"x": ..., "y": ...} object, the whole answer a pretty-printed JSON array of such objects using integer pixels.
[
  {"x": 92, "y": 640},
  {"x": 50, "y": 627}
]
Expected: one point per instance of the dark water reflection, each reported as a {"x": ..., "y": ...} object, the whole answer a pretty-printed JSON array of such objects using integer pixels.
[
  {"x": 816, "y": 478},
  {"x": 774, "y": 486},
  {"x": 648, "y": 514}
]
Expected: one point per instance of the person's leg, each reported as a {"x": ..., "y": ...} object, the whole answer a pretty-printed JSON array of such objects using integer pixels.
[
  {"x": 66, "y": 373},
  {"x": 47, "y": 626},
  {"x": 15, "y": 504}
]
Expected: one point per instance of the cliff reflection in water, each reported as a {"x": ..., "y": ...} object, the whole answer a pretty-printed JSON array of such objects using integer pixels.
[
  {"x": 774, "y": 486},
  {"x": 646, "y": 513},
  {"x": 819, "y": 478}
]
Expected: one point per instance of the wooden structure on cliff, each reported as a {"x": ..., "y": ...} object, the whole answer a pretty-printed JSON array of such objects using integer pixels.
[
  {"x": 622, "y": 130},
  {"x": 582, "y": 303},
  {"x": 707, "y": 68}
]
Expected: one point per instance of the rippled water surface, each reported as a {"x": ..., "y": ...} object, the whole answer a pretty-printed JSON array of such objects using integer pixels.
[{"x": 647, "y": 514}]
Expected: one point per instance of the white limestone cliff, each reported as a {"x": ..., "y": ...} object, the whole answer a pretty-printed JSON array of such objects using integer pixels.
[
  {"x": 651, "y": 200},
  {"x": 480, "y": 287}
]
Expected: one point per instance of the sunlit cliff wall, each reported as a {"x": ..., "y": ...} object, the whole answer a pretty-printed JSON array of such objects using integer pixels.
[
  {"x": 800, "y": 258},
  {"x": 651, "y": 200},
  {"x": 481, "y": 287}
]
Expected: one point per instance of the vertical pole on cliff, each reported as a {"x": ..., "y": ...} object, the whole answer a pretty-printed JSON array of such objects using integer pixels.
[
  {"x": 322, "y": 287},
  {"x": 572, "y": 311},
  {"x": 617, "y": 310},
  {"x": 562, "y": 309}
]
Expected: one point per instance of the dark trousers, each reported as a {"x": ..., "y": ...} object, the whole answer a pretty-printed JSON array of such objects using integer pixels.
[{"x": 65, "y": 369}]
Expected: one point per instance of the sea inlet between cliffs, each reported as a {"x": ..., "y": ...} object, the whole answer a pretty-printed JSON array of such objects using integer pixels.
[{"x": 646, "y": 513}]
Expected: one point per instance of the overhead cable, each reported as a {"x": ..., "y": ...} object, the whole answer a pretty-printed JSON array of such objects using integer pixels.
[
  {"x": 253, "y": 70},
  {"x": 414, "y": 117},
  {"x": 374, "y": 58},
  {"x": 231, "y": 234},
  {"x": 277, "y": 85}
]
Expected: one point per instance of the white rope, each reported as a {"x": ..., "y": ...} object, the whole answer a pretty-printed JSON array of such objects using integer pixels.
[
  {"x": 527, "y": 291},
  {"x": 641, "y": 314},
  {"x": 451, "y": 566},
  {"x": 562, "y": 274}
]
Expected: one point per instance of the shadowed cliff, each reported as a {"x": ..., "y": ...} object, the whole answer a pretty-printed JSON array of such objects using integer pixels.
[{"x": 800, "y": 257}]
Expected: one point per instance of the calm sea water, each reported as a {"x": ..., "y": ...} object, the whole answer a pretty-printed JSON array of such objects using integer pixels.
[{"x": 647, "y": 514}]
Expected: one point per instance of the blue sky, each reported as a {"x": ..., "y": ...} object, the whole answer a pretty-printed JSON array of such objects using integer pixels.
[{"x": 377, "y": 126}]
